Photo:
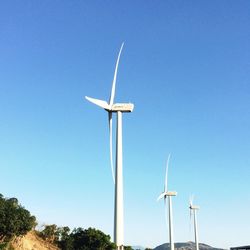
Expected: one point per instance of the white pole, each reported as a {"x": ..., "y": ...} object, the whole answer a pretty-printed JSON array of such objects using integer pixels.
[
  {"x": 196, "y": 231},
  {"x": 171, "y": 234},
  {"x": 118, "y": 220}
]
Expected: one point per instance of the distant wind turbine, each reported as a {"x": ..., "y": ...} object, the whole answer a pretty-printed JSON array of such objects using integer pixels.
[
  {"x": 118, "y": 108},
  {"x": 193, "y": 210},
  {"x": 168, "y": 194}
]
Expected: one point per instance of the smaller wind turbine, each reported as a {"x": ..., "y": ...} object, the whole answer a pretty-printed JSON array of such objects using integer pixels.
[
  {"x": 168, "y": 194},
  {"x": 193, "y": 209}
]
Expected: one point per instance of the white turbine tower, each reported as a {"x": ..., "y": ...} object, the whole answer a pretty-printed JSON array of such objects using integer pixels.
[
  {"x": 168, "y": 194},
  {"x": 193, "y": 210},
  {"x": 118, "y": 108}
]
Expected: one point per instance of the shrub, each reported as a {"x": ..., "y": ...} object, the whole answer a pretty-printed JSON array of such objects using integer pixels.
[{"x": 15, "y": 220}]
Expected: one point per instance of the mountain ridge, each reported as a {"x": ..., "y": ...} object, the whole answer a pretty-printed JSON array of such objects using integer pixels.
[{"x": 186, "y": 246}]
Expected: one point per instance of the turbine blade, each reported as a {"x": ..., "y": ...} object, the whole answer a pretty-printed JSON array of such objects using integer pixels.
[
  {"x": 100, "y": 103},
  {"x": 166, "y": 177},
  {"x": 111, "y": 145},
  {"x": 112, "y": 95},
  {"x": 190, "y": 220},
  {"x": 166, "y": 209},
  {"x": 160, "y": 196},
  {"x": 191, "y": 199}
]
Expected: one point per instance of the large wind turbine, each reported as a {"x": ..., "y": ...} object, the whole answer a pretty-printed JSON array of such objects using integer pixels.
[
  {"x": 118, "y": 108},
  {"x": 168, "y": 194},
  {"x": 193, "y": 210}
]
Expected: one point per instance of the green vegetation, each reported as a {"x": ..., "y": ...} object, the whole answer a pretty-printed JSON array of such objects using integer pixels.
[
  {"x": 15, "y": 220},
  {"x": 128, "y": 248},
  {"x": 78, "y": 239}
]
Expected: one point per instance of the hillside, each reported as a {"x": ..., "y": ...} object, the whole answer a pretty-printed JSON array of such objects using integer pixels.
[
  {"x": 32, "y": 242},
  {"x": 186, "y": 246}
]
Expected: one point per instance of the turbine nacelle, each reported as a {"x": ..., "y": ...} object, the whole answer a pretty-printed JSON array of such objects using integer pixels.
[
  {"x": 165, "y": 194},
  {"x": 123, "y": 107},
  {"x": 171, "y": 193},
  {"x": 193, "y": 207}
]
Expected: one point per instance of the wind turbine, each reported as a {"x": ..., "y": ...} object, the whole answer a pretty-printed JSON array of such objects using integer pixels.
[
  {"x": 118, "y": 108},
  {"x": 168, "y": 194},
  {"x": 193, "y": 209}
]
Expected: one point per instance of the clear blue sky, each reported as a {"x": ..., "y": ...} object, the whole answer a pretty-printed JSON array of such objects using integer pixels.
[{"x": 185, "y": 66}]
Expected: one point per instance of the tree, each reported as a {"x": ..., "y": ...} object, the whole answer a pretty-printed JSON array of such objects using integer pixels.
[
  {"x": 65, "y": 239},
  {"x": 50, "y": 233},
  {"x": 128, "y": 248},
  {"x": 91, "y": 239},
  {"x": 80, "y": 239},
  {"x": 15, "y": 220}
]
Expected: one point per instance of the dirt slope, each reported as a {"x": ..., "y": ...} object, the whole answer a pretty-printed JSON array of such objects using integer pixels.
[{"x": 32, "y": 242}]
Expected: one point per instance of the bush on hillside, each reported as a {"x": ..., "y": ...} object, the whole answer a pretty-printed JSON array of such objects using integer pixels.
[{"x": 15, "y": 220}]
